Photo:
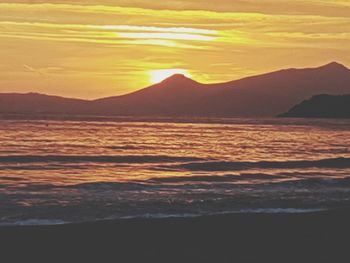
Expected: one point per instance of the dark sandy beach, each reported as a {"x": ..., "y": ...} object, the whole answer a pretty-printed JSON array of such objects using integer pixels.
[{"x": 314, "y": 237}]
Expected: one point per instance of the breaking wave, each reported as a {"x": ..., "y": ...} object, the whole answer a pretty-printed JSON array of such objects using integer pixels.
[{"x": 232, "y": 166}]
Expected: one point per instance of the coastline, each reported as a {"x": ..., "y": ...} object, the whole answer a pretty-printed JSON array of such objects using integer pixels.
[
  {"x": 168, "y": 119},
  {"x": 300, "y": 237}
]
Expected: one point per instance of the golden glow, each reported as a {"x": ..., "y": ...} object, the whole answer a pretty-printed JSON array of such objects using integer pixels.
[
  {"x": 157, "y": 76},
  {"x": 108, "y": 47},
  {"x": 174, "y": 36}
]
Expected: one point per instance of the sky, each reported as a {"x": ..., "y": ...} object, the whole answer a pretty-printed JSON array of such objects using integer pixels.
[{"x": 97, "y": 48}]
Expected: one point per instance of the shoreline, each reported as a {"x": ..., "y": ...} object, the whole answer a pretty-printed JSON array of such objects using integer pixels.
[
  {"x": 166, "y": 119},
  {"x": 301, "y": 237}
]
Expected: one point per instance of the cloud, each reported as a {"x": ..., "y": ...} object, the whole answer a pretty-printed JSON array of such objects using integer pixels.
[
  {"x": 109, "y": 34},
  {"x": 31, "y": 69}
]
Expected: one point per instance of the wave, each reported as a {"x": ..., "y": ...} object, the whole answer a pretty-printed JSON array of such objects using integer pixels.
[
  {"x": 109, "y": 186},
  {"x": 232, "y": 166},
  {"x": 10, "y": 178},
  {"x": 123, "y": 147},
  {"x": 35, "y": 222},
  {"x": 96, "y": 158},
  {"x": 330, "y": 183},
  {"x": 201, "y": 182},
  {"x": 216, "y": 178},
  {"x": 39, "y": 167},
  {"x": 165, "y": 216}
]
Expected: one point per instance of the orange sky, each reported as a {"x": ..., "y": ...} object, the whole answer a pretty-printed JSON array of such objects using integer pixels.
[{"x": 109, "y": 47}]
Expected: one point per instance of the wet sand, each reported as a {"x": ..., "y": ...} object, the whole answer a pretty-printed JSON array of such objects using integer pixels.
[{"x": 314, "y": 237}]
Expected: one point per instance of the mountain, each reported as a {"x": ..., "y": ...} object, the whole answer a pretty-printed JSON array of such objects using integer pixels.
[
  {"x": 175, "y": 96},
  {"x": 34, "y": 103},
  {"x": 264, "y": 95},
  {"x": 322, "y": 106}
]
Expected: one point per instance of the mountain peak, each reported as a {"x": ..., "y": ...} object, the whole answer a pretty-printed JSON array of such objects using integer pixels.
[
  {"x": 335, "y": 66},
  {"x": 177, "y": 79}
]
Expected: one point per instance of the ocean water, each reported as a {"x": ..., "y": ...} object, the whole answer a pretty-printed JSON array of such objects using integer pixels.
[{"x": 55, "y": 172}]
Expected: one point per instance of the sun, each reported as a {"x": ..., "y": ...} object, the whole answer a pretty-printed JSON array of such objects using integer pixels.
[{"x": 157, "y": 76}]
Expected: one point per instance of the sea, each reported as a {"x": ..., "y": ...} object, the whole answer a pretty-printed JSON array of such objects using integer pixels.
[{"x": 84, "y": 170}]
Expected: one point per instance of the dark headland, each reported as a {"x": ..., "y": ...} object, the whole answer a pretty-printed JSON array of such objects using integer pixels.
[
  {"x": 319, "y": 237},
  {"x": 322, "y": 106},
  {"x": 265, "y": 95}
]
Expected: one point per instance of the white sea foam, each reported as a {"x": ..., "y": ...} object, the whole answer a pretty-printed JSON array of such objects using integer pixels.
[{"x": 35, "y": 222}]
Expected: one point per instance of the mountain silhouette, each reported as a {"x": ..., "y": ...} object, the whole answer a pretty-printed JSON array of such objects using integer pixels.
[
  {"x": 322, "y": 106},
  {"x": 35, "y": 103},
  {"x": 264, "y": 95}
]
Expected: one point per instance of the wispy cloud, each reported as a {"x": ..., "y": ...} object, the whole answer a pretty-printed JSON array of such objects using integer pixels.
[
  {"x": 31, "y": 69},
  {"x": 111, "y": 34}
]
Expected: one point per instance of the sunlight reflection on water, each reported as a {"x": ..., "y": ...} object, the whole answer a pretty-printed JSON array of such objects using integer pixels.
[{"x": 120, "y": 169}]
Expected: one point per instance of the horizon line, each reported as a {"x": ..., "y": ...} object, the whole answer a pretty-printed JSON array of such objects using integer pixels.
[{"x": 213, "y": 83}]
